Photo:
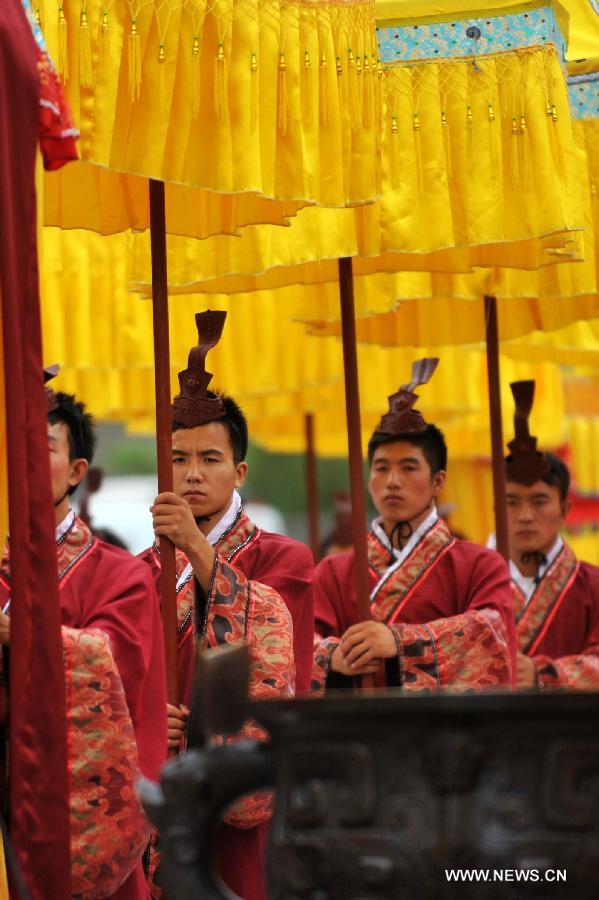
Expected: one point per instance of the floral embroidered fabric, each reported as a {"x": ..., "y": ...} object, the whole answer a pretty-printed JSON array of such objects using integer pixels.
[
  {"x": 583, "y": 94},
  {"x": 108, "y": 828},
  {"x": 471, "y": 37}
]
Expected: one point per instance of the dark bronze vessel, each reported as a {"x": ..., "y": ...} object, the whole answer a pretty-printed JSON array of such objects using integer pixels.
[{"x": 380, "y": 796}]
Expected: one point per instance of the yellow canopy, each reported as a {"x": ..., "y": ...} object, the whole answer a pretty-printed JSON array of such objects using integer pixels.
[
  {"x": 102, "y": 336},
  {"x": 271, "y": 99},
  {"x": 475, "y": 173}
]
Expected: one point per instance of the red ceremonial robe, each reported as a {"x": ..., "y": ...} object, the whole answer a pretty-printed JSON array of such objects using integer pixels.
[
  {"x": 559, "y": 626},
  {"x": 447, "y": 604},
  {"x": 257, "y": 576},
  {"x": 116, "y": 695}
]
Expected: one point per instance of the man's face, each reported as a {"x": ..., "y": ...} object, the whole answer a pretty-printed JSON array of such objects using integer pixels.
[
  {"x": 401, "y": 483},
  {"x": 64, "y": 471},
  {"x": 204, "y": 472},
  {"x": 535, "y": 515}
]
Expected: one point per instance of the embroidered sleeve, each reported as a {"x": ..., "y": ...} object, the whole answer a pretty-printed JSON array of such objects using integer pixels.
[
  {"x": 580, "y": 672},
  {"x": 470, "y": 651},
  {"x": 270, "y": 633},
  {"x": 108, "y": 828},
  {"x": 323, "y": 652}
]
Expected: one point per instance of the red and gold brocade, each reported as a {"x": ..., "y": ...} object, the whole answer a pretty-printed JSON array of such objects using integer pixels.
[
  {"x": 103, "y": 767},
  {"x": 559, "y": 626},
  {"x": 57, "y": 133},
  {"x": 260, "y": 588},
  {"x": 115, "y": 694},
  {"x": 237, "y": 609},
  {"x": 448, "y": 605}
]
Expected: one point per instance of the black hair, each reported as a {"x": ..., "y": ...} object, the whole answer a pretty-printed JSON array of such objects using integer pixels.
[
  {"x": 81, "y": 429},
  {"x": 431, "y": 442},
  {"x": 558, "y": 475},
  {"x": 236, "y": 424}
]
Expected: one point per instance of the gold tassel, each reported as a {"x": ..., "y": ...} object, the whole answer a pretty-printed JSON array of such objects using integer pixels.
[
  {"x": 417, "y": 152},
  {"x": 195, "y": 78},
  {"x": 469, "y": 138},
  {"x": 220, "y": 82},
  {"x": 395, "y": 152},
  {"x": 134, "y": 63},
  {"x": 63, "y": 49},
  {"x": 354, "y": 107},
  {"x": 162, "y": 76},
  {"x": 377, "y": 75},
  {"x": 525, "y": 153},
  {"x": 367, "y": 90},
  {"x": 446, "y": 145},
  {"x": 282, "y": 94},
  {"x": 38, "y": 16},
  {"x": 558, "y": 150},
  {"x": 396, "y": 144},
  {"x": 515, "y": 151},
  {"x": 308, "y": 79},
  {"x": 254, "y": 90},
  {"x": 494, "y": 136},
  {"x": 323, "y": 89},
  {"x": 103, "y": 44},
  {"x": 85, "y": 52}
]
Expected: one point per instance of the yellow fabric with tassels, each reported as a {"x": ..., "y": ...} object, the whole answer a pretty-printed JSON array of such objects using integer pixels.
[
  {"x": 102, "y": 336},
  {"x": 560, "y": 293},
  {"x": 462, "y": 138},
  {"x": 230, "y": 96}
]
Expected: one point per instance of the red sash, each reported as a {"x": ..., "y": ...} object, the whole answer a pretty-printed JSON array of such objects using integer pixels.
[
  {"x": 535, "y": 617},
  {"x": 396, "y": 586}
]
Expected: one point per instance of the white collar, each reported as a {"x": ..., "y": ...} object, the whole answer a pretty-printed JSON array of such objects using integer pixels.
[
  {"x": 400, "y": 555},
  {"x": 215, "y": 534},
  {"x": 528, "y": 584},
  {"x": 65, "y": 524},
  {"x": 225, "y": 522}
]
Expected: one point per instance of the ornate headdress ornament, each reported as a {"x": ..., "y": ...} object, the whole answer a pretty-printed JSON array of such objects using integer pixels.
[
  {"x": 525, "y": 464},
  {"x": 51, "y": 372},
  {"x": 402, "y": 418},
  {"x": 195, "y": 404}
]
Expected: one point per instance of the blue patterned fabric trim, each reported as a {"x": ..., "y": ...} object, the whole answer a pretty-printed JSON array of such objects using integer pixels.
[
  {"x": 583, "y": 94},
  {"x": 37, "y": 32},
  {"x": 471, "y": 36}
]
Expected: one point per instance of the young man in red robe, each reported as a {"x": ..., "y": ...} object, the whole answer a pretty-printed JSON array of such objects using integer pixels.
[
  {"x": 114, "y": 673},
  {"x": 441, "y": 613},
  {"x": 235, "y": 582},
  {"x": 556, "y": 597}
]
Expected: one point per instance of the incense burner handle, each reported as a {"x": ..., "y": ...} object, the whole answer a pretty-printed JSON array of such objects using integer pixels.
[{"x": 187, "y": 808}]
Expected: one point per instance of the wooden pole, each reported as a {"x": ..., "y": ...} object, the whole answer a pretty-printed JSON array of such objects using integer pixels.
[
  {"x": 312, "y": 486},
  {"x": 164, "y": 452},
  {"x": 497, "y": 449},
  {"x": 354, "y": 435}
]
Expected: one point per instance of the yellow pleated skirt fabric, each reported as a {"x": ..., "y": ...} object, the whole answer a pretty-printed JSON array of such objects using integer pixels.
[
  {"x": 481, "y": 167},
  {"x": 85, "y": 196},
  {"x": 275, "y": 98}
]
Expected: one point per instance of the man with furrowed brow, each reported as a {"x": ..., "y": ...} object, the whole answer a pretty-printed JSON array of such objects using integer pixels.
[
  {"x": 555, "y": 597},
  {"x": 441, "y": 608},
  {"x": 235, "y": 583}
]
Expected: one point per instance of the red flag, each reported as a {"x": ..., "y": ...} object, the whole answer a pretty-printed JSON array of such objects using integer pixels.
[{"x": 38, "y": 760}]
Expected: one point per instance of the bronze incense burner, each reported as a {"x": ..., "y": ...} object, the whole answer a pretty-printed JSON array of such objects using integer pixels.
[{"x": 377, "y": 796}]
